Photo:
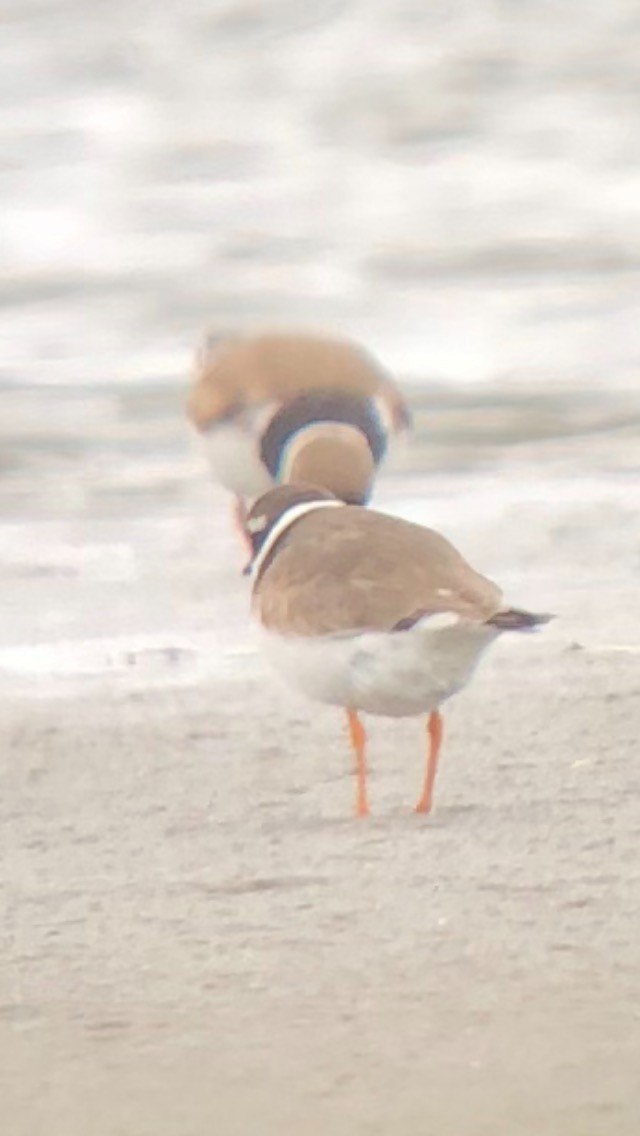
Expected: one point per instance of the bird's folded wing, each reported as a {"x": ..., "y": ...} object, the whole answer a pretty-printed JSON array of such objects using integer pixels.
[{"x": 341, "y": 571}]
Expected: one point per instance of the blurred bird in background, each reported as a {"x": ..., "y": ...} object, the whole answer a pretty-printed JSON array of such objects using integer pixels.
[{"x": 281, "y": 408}]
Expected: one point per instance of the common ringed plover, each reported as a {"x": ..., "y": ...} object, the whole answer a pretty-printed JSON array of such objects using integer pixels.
[
  {"x": 280, "y": 408},
  {"x": 369, "y": 612}
]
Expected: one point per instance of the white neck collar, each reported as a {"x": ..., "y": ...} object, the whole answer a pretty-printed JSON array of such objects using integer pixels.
[{"x": 285, "y": 521}]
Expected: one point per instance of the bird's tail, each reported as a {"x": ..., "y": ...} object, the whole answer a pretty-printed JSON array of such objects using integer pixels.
[
  {"x": 397, "y": 409},
  {"x": 515, "y": 619}
]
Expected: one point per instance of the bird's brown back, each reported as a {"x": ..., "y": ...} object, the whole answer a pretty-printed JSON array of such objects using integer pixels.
[
  {"x": 353, "y": 569},
  {"x": 277, "y": 367}
]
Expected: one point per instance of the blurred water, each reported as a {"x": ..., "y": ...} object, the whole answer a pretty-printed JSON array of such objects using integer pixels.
[{"x": 457, "y": 184}]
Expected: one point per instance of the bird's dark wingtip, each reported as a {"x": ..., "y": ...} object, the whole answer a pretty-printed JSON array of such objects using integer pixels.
[{"x": 514, "y": 619}]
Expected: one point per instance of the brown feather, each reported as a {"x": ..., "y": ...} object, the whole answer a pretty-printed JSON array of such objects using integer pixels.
[
  {"x": 336, "y": 457},
  {"x": 351, "y": 569},
  {"x": 277, "y": 367}
]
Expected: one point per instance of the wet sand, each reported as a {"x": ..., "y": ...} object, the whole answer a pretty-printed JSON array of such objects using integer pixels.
[{"x": 199, "y": 936}]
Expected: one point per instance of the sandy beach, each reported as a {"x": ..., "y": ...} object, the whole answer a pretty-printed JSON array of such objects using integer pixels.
[{"x": 197, "y": 934}]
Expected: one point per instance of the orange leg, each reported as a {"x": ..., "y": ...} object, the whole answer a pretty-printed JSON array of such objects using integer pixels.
[
  {"x": 435, "y": 728},
  {"x": 359, "y": 742},
  {"x": 240, "y": 514}
]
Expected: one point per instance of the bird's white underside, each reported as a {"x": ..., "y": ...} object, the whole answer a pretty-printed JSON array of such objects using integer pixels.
[
  {"x": 231, "y": 449},
  {"x": 395, "y": 674}
]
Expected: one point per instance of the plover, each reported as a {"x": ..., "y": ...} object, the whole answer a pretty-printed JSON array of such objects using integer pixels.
[
  {"x": 278, "y": 408},
  {"x": 371, "y": 613}
]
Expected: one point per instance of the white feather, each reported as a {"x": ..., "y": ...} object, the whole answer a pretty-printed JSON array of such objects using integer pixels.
[
  {"x": 282, "y": 524},
  {"x": 232, "y": 452}
]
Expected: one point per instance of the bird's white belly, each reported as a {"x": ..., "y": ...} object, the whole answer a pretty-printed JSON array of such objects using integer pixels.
[
  {"x": 231, "y": 449},
  {"x": 395, "y": 674}
]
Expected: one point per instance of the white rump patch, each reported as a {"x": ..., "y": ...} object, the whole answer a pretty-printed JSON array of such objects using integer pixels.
[{"x": 438, "y": 621}]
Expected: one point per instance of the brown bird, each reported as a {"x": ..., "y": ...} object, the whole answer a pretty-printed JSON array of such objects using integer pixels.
[
  {"x": 369, "y": 612},
  {"x": 279, "y": 408}
]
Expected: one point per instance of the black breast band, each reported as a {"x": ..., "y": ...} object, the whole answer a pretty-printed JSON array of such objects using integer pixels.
[{"x": 321, "y": 406}]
